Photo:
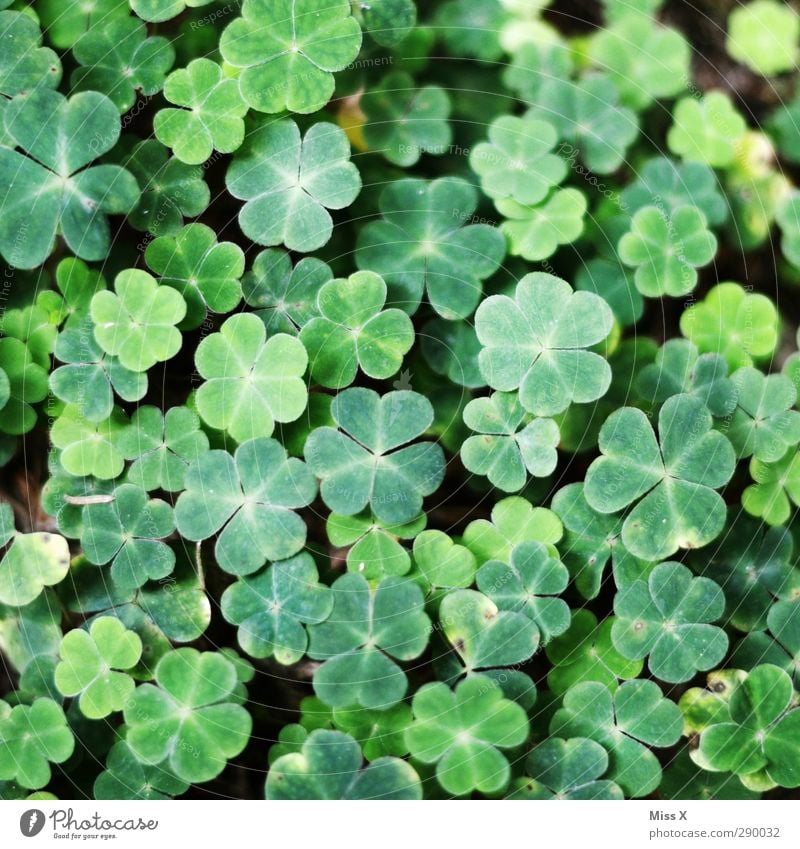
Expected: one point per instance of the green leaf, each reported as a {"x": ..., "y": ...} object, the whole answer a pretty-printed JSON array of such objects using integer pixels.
[
  {"x": 189, "y": 719},
  {"x": 290, "y": 182},
  {"x": 25, "y": 64},
  {"x": 536, "y": 232},
  {"x": 471, "y": 28},
  {"x": 31, "y": 563},
  {"x": 684, "y": 780},
  {"x": 670, "y": 482},
  {"x": 706, "y": 129},
  {"x": 367, "y": 630},
  {"x": 52, "y": 185},
  {"x": 94, "y": 665},
  {"x": 251, "y": 498},
  {"x": 463, "y": 731},
  {"x": 779, "y": 646},
  {"x": 442, "y": 562},
  {"x": 775, "y": 488},
  {"x": 211, "y": 117},
  {"x": 27, "y": 385},
  {"x": 288, "y": 51},
  {"x": 136, "y": 322},
  {"x": 163, "y": 10},
  {"x": 380, "y": 733},
  {"x": 67, "y": 21},
  {"x": 451, "y": 349},
  {"x": 420, "y": 245},
  {"x": 125, "y": 777},
  {"x": 536, "y": 341},
  {"x": 328, "y": 766},
  {"x": 763, "y": 35},
  {"x": 368, "y": 459},
  {"x": 272, "y": 608},
  {"x": 614, "y": 284}
]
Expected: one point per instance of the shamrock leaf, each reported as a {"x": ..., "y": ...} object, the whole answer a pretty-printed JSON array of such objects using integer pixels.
[
  {"x": 94, "y": 664},
  {"x": 26, "y": 384},
  {"x": 204, "y": 271},
  {"x": 739, "y": 325},
  {"x": 119, "y": 60},
  {"x": 536, "y": 342},
  {"x": 535, "y": 232},
  {"x": 288, "y": 51},
  {"x": 163, "y": 10},
  {"x": 680, "y": 368},
  {"x": 367, "y": 630},
  {"x": 188, "y": 719},
  {"x": 614, "y": 284},
  {"x": 31, "y": 563},
  {"x": 463, "y": 731},
  {"x": 127, "y": 532},
  {"x": 162, "y": 446},
  {"x": 251, "y": 382},
  {"x": 706, "y": 129},
  {"x": 763, "y": 425},
  {"x": 535, "y": 62},
  {"x": 272, "y": 608},
  {"x": 53, "y": 186},
  {"x": 380, "y": 733},
  {"x": 388, "y": 22},
  {"x": 403, "y": 121},
  {"x": 763, "y": 35},
  {"x": 87, "y": 447},
  {"x": 67, "y": 21},
  {"x": 470, "y": 28},
  {"x": 585, "y": 652},
  {"x": 90, "y": 377},
  {"x": 25, "y": 64},
  {"x": 566, "y": 769},
  {"x": 31, "y": 738},
  {"x": 781, "y": 646},
  {"x": 510, "y": 444},
  {"x": 363, "y": 462},
  {"x": 775, "y": 488},
  {"x": 289, "y": 183},
  {"x": 284, "y": 295},
  {"x": 587, "y": 114},
  {"x": 762, "y": 733},
  {"x": 675, "y": 477},
  {"x": 125, "y": 777},
  {"x": 421, "y": 245},
  {"x": 451, "y": 348},
  {"x": 211, "y": 117},
  {"x": 625, "y": 723},
  {"x": 170, "y": 189},
  {"x": 666, "y": 248},
  {"x": 354, "y": 331},
  {"x": 251, "y": 498},
  {"x": 441, "y": 562},
  {"x": 77, "y": 283},
  {"x": 684, "y": 780},
  {"x": 666, "y": 617},
  {"x": 517, "y": 161},
  {"x": 485, "y": 635},
  {"x": 328, "y": 766},
  {"x": 136, "y": 322}
]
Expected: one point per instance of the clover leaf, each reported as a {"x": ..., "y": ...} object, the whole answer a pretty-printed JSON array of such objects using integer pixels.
[
  {"x": 67, "y": 21},
  {"x": 763, "y": 35},
  {"x": 125, "y": 777},
  {"x": 530, "y": 583},
  {"x": 684, "y": 780},
  {"x": 706, "y": 129},
  {"x": 251, "y": 498},
  {"x": 163, "y": 10},
  {"x": 119, "y": 60},
  {"x": 443, "y": 563},
  {"x": 666, "y": 248},
  {"x": 779, "y": 645},
  {"x": 25, "y": 64},
  {"x": 367, "y": 630},
  {"x": 420, "y": 245},
  {"x": 380, "y": 733},
  {"x": 189, "y": 719},
  {"x": 485, "y": 635},
  {"x": 89, "y": 448},
  {"x": 517, "y": 161},
  {"x": 566, "y": 769},
  {"x": 31, "y": 563},
  {"x": 740, "y": 325},
  {"x": 211, "y": 116},
  {"x": 94, "y": 664},
  {"x": 666, "y": 617},
  {"x": 354, "y": 331},
  {"x": 127, "y": 532},
  {"x": 272, "y": 608},
  {"x": 32, "y": 737},
  {"x": 206, "y": 272},
  {"x": 463, "y": 731},
  {"x": 613, "y": 282},
  {"x": 404, "y": 121},
  {"x": 470, "y": 28},
  {"x": 762, "y": 733},
  {"x": 289, "y": 183},
  {"x": 775, "y": 488},
  {"x": 328, "y": 766},
  {"x": 288, "y": 51},
  {"x": 451, "y": 349},
  {"x": 54, "y": 187},
  {"x": 364, "y": 462},
  {"x": 27, "y": 385},
  {"x": 536, "y": 342},
  {"x": 625, "y": 723},
  {"x": 250, "y": 382},
  {"x": 675, "y": 477},
  {"x": 510, "y": 445}
]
